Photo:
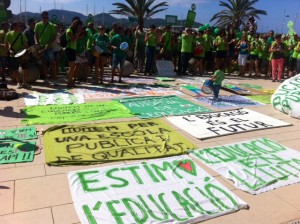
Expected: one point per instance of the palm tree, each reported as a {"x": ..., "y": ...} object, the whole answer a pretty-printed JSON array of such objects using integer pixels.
[
  {"x": 142, "y": 9},
  {"x": 236, "y": 13}
]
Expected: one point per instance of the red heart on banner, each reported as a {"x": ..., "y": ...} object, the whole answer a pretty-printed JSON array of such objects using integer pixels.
[{"x": 186, "y": 165}]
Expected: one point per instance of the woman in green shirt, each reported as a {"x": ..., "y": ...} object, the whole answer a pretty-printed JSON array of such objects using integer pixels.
[{"x": 151, "y": 41}]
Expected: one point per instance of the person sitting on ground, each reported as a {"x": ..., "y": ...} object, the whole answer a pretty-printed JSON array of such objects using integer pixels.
[{"x": 217, "y": 79}]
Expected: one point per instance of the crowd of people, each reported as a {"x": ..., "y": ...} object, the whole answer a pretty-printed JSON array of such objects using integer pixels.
[{"x": 88, "y": 49}]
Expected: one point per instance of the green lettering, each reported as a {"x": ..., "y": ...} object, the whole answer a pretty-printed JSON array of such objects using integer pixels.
[
  {"x": 151, "y": 174},
  {"x": 133, "y": 169},
  {"x": 85, "y": 183},
  {"x": 151, "y": 213},
  {"x": 89, "y": 215},
  {"x": 128, "y": 204},
  {"x": 166, "y": 166},
  {"x": 260, "y": 182},
  {"x": 109, "y": 174},
  {"x": 113, "y": 211}
]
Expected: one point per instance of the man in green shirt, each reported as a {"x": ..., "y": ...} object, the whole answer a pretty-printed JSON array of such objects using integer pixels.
[
  {"x": 166, "y": 43},
  {"x": 217, "y": 79},
  {"x": 45, "y": 34},
  {"x": 187, "y": 42},
  {"x": 16, "y": 42},
  {"x": 3, "y": 50}
]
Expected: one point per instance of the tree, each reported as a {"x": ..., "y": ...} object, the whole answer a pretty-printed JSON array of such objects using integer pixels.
[
  {"x": 142, "y": 9},
  {"x": 236, "y": 13}
]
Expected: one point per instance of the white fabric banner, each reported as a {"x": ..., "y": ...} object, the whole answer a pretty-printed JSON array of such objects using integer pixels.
[
  {"x": 208, "y": 125},
  {"x": 53, "y": 98},
  {"x": 287, "y": 97},
  {"x": 171, "y": 190},
  {"x": 254, "y": 166}
]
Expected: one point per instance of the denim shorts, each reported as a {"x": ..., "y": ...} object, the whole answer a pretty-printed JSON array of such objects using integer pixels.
[
  {"x": 118, "y": 60},
  {"x": 49, "y": 56}
]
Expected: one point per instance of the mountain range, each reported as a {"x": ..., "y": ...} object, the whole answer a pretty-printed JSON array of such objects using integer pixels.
[{"x": 65, "y": 17}]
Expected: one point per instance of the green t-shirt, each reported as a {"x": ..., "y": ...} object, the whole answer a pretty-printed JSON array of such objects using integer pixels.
[
  {"x": 187, "y": 42},
  {"x": 111, "y": 34},
  {"x": 3, "y": 50},
  {"x": 140, "y": 40},
  {"x": 81, "y": 45},
  {"x": 221, "y": 44},
  {"x": 208, "y": 42},
  {"x": 70, "y": 45},
  {"x": 220, "y": 75},
  {"x": 151, "y": 40},
  {"x": 90, "y": 34},
  {"x": 167, "y": 36},
  {"x": 47, "y": 35},
  {"x": 200, "y": 43},
  {"x": 254, "y": 47},
  {"x": 116, "y": 41},
  {"x": 20, "y": 43},
  {"x": 263, "y": 51},
  {"x": 101, "y": 41},
  {"x": 296, "y": 53}
]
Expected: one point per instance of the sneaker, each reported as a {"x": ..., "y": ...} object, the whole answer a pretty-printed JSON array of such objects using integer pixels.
[
  {"x": 26, "y": 86},
  {"x": 19, "y": 85}
]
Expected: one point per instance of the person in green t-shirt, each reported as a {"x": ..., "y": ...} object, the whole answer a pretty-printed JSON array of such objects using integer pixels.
[
  {"x": 255, "y": 47},
  {"x": 119, "y": 55},
  {"x": 166, "y": 50},
  {"x": 101, "y": 40},
  {"x": 151, "y": 42},
  {"x": 208, "y": 46},
  {"x": 221, "y": 48},
  {"x": 72, "y": 36},
  {"x": 16, "y": 42},
  {"x": 3, "y": 50},
  {"x": 217, "y": 79},
  {"x": 139, "y": 50},
  {"x": 187, "y": 42},
  {"x": 199, "y": 53},
  {"x": 81, "y": 62},
  {"x": 45, "y": 35},
  {"x": 90, "y": 33}
]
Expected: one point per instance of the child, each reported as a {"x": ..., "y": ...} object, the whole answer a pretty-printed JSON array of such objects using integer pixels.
[{"x": 217, "y": 79}]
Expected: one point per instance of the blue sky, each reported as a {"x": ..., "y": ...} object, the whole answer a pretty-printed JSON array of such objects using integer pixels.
[{"x": 279, "y": 11}]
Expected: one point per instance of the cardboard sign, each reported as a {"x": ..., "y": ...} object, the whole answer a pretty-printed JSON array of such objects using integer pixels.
[
  {"x": 60, "y": 114},
  {"x": 172, "y": 190},
  {"x": 20, "y": 134},
  {"x": 224, "y": 123},
  {"x": 50, "y": 99},
  {"x": 16, "y": 152},
  {"x": 254, "y": 166},
  {"x": 150, "y": 107},
  {"x": 287, "y": 97},
  {"x": 107, "y": 142},
  {"x": 165, "y": 68},
  {"x": 228, "y": 101}
]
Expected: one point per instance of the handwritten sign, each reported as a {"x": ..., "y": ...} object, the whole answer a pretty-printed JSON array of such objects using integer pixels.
[
  {"x": 150, "y": 107},
  {"x": 228, "y": 101},
  {"x": 255, "y": 166},
  {"x": 287, "y": 97},
  {"x": 55, "y": 98},
  {"x": 23, "y": 133},
  {"x": 165, "y": 68},
  {"x": 224, "y": 123},
  {"x": 172, "y": 190},
  {"x": 59, "y": 114},
  {"x": 16, "y": 152},
  {"x": 106, "y": 142}
]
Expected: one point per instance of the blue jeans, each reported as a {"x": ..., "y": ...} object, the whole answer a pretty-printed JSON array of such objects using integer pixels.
[
  {"x": 216, "y": 90},
  {"x": 116, "y": 60},
  {"x": 150, "y": 53}
]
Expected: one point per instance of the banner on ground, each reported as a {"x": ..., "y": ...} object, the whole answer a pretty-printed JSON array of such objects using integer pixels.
[
  {"x": 16, "y": 152},
  {"x": 55, "y": 98},
  {"x": 18, "y": 134},
  {"x": 134, "y": 80},
  {"x": 224, "y": 123},
  {"x": 59, "y": 114},
  {"x": 266, "y": 99},
  {"x": 171, "y": 190},
  {"x": 150, "y": 107},
  {"x": 255, "y": 166},
  {"x": 242, "y": 90},
  {"x": 228, "y": 101},
  {"x": 104, "y": 92},
  {"x": 107, "y": 142},
  {"x": 287, "y": 97},
  {"x": 191, "y": 90}
]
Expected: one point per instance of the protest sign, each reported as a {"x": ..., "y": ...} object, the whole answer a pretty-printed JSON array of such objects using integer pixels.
[
  {"x": 107, "y": 142},
  {"x": 165, "y": 79},
  {"x": 251, "y": 86},
  {"x": 242, "y": 90},
  {"x": 104, "y": 92},
  {"x": 227, "y": 101},
  {"x": 23, "y": 133},
  {"x": 134, "y": 80},
  {"x": 16, "y": 152},
  {"x": 255, "y": 166},
  {"x": 224, "y": 123},
  {"x": 58, "y": 114},
  {"x": 191, "y": 90},
  {"x": 165, "y": 68},
  {"x": 266, "y": 99},
  {"x": 171, "y": 190},
  {"x": 287, "y": 97},
  {"x": 150, "y": 107},
  {"x": 55, "y": 98},
  {"x": 155, "y": 91}
]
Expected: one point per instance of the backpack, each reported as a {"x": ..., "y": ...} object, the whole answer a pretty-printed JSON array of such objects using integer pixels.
[{"x": 63, "y": 40}]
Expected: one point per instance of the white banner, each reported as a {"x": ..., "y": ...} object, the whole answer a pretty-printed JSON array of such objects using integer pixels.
[
  {"x": 53, "y": 98},
  {"x": 208, "y": 125},
  {"x": 255, "y": 166},
  {"x": 171, "y": 190}
]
